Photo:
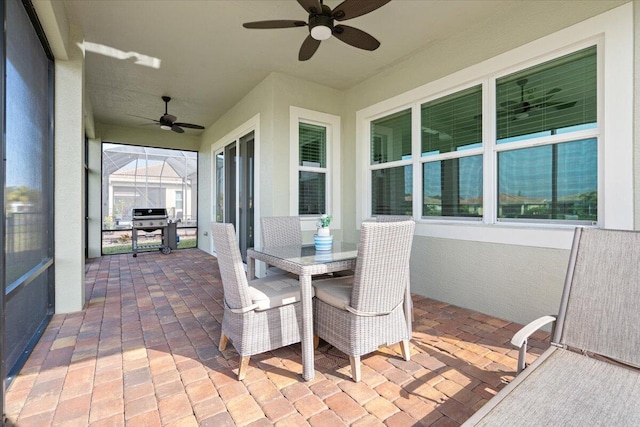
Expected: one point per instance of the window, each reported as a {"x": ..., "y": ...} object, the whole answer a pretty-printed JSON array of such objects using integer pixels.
[
  {"x": 391, "y": 168},
  {"x": 543, "y": 158},
  {"x": 312, "y": 163},
  {"x": 550, "y": 110},
  {"x": 314, "y": 155},
  {"x": 451, "y": 142}
]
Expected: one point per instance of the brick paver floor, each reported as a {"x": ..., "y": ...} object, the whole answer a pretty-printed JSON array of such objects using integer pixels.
[{"x": 144, "y": 352}]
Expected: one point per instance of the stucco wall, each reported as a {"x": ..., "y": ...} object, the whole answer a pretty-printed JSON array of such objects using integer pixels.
[
  {"x": 516, "y": 283},
  {"x": 270, "y": 100}
]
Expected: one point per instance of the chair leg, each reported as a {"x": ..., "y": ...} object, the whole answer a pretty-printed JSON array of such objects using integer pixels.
[
  {"x": 316, "y": 341},
  {"x": 404, "y": 348},
  {"x": 223, "y": 341},
  {"x": 244, "y": 365},
  {"x": 355, "y": 368}
]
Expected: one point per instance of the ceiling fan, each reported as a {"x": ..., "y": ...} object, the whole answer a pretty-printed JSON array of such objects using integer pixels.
[
  {"x": 521, "y": 109},
  {"x": 321, "y": 24},
  {"x": 168, "y": 121}
]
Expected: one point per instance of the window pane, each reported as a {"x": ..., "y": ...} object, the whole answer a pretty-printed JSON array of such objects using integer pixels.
[
  {"x": 392, "y": 191},
  {"x": 452, "y": 123},
  {"x": 27, "y": 194},
  {"x": 453, "y": 187},
  {"x": 311, "y": 197},
  {"x": 558, "y": 181},
  {"x": 549, "y": 98},
  {"x": 313, "y": 145},
  {"x": 220, "y": 187},
  {"x": 391, "y": 138}
]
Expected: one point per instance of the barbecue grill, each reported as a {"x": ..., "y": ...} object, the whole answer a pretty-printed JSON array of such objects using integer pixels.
[{"x": 149, "y": 220}]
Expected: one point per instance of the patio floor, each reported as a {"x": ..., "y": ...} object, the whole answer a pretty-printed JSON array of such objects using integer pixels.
[{"x": 144, "y": 352}]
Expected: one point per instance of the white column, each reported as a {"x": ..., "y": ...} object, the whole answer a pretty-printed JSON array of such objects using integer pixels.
[{"x": 69, "y": 180}]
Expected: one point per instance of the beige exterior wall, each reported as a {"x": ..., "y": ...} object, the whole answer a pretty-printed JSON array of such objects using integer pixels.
[{"x": 270, "y": 101}]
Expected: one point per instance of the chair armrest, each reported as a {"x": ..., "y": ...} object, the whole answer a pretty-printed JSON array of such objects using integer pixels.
[{"x": 522, "y": 336}]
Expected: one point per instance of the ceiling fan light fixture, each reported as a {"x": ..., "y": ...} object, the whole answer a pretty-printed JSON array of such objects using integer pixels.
[
  {"x": 321, "y": 32},
  {"x": 321, "y": 27},
  {"x": 165, "y": 127}
]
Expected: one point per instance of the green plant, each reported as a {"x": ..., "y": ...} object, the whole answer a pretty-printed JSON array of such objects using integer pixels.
[{"x": 324, "y": 221}]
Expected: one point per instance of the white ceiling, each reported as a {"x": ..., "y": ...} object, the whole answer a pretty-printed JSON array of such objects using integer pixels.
[{"x": 208, "y": 61}]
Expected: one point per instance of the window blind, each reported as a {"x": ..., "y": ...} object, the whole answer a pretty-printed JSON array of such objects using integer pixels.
[
  {"x": 391, "y": 138},
  {"x": 549, "y": 98},
  {"x": 313, "y": 145},
  {"x": 452, "y": 123}
]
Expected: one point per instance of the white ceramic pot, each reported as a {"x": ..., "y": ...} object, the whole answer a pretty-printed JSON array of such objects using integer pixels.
[{"x": 324, "y": 231}]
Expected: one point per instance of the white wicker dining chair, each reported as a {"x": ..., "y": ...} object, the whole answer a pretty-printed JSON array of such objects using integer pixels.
[
  {"x": 360, "y": 313},
  {"x": 259, "y": 315},
  {"x": 280, "y": 231}
]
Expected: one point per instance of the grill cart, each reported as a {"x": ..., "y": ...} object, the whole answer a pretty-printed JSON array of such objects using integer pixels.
[{"x": 149, "y": 220}]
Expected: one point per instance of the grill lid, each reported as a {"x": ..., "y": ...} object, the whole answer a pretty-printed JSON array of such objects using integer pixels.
[{"x": 144, "y": 213}]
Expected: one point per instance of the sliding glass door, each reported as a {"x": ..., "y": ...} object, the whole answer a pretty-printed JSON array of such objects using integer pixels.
[{"x": 235, "y": 188}]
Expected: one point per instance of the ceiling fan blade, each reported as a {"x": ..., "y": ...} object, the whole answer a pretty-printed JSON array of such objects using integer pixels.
[
  {"x": 308, "y": 48},
  {"x": 353, "y": 8},
  {"x": 564, "y": 105},
  {"x": 311, "y": 6},
  {"x": 279, "y": 23},
  {"x": 355, "y": 37},
  {"x": 146, "y": 118},
  {"x": 508, "y": 104},
  {"x": 188, "y": 125},
  {"x": 177, "y": 129}
]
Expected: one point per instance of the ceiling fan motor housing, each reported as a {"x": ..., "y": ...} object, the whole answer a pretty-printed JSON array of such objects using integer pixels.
[{"x": 321, "y": 25}]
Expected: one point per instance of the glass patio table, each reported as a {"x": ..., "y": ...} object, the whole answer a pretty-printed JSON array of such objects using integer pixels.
[{"x": 306, "y": 262}]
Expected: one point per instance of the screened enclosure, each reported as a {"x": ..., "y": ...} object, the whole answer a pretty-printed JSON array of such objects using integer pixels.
[{"x": 146, "y": 177}]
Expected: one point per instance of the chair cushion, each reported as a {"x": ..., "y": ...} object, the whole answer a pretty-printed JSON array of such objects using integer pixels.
[
  {"x": 335, "y": 291},
  {"x": 274, "y": 291}
]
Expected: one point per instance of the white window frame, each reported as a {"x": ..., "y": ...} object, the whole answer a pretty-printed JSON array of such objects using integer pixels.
[
  {"x": 420, "y": 160},
  {"x": 612, "y": 32},
  {"x": 331, "y": 122}
]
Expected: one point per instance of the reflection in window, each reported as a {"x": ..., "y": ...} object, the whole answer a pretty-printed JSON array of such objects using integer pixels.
[
  {"x": 392, "y": 191},
  {"x": 554, "y": 97},
  {"x": 219, "y": 187},
  {"x": 27, "y": 173},
  {"x": 550, "y": 182},
  {"x": 391, "y": 138},
  {"x": 27, "y": 176},
  {"x": 312, "y": 198},
  {"x": 452, "y": 123},
  {"x": 453, "y": 188},
  {"x": 452, "y": 126}
]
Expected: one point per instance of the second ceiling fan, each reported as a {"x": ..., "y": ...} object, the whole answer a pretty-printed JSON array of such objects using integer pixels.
[
  {"x": 168, "y": 121},
  {"x": 321, "y": 24}
]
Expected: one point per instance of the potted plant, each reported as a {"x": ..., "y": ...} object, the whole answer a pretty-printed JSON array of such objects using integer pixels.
[{"x": 323, "y": 239}]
